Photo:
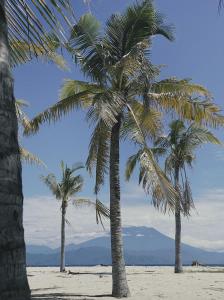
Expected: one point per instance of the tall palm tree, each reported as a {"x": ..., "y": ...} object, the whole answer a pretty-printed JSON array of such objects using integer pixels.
[
  {"x": 21, "y": 20},
  {"x": 66, "y": 191},
  {"x": 122, "y": 99},
  {"x": 179, "y": 148}
]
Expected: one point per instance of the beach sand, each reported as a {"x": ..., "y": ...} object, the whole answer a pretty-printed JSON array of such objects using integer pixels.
[{"x": 151, "y": 283}]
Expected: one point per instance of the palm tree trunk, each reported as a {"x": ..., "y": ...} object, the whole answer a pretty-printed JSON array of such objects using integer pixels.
[
  {"x": 63, "y": 213},
  {"x": 13, "y": 277},
  {"x": 120, "y": 287},
  {"x": 178, "y": 256}
]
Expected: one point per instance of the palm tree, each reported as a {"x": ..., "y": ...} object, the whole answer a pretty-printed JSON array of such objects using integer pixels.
[
  {"x": 19, "y": 20},
  {"x": 106, "y": 100},
  {"x": 179, "y": 148},
  {"x": 122, "y": 99},
  {"x": 65, "y": 191}
]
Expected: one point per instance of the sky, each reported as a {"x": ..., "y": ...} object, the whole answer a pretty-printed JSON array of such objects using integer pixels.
[{"x": 196, "y": 53}]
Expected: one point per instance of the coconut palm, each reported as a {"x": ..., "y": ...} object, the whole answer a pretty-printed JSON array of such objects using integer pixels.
[
  {"x": 179, "y": 148},
  {"x": 122, "y": 100},
  {"x": 65, "y": 191},
  {"x": 106, "y": 100},
  {"x": 19, "y": 20}
]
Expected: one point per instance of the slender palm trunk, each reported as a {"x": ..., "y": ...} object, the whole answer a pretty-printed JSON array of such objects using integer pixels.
[
  {"x": 120, "y": 287},
  {"x": 178, "y": 255},
  {"x": 63, "y": 213},
  {"x": 13, "y": 277}
]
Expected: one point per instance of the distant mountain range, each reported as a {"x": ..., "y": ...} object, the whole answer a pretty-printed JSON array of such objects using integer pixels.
[{"x": 142, "y": 245}]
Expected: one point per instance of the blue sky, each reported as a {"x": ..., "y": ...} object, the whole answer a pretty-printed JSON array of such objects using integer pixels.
[{"x": 197, "y": 53}]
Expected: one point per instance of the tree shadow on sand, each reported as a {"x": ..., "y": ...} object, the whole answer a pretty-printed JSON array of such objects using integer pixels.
[{"x": 65, "y": 296}]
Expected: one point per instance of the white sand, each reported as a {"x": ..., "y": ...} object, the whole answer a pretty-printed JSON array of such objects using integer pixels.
[{"x": 151, "y": 283}]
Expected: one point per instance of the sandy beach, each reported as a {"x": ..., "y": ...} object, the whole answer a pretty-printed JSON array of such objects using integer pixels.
[{"x": 145, "y": 283}]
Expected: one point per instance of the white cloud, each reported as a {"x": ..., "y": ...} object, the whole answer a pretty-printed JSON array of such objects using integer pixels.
[{"x": 203, "y": 229}]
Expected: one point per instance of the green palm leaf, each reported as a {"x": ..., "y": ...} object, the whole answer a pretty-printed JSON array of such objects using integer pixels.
[
  {"x": 30, "y": 157},
  {"x": 99, "y": 150},
  {"x": 29, "y": 19}
]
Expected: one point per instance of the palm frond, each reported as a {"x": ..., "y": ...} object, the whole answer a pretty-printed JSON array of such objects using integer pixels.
[
  {"x": 101, "y": 210},
  {"x": 131, "y": 164},
  {"x": 151, "y": 175},
  {"x": 30, "y": 157},
  {"x": 81, "y": 97},
  {"x": 85, "y": 43},
  {"x": 149, "y": 120},
  {"x": 181, "y": 86},
  {"x": 153, "y": 180},
  {"x": 203, "y": 112},
  {"x": 51, "y": 182},
  {"x": 98, "y": 157},
  {"x": 187, "y": 202},
  {"x": 29, "y": 20},
  {"x": 22, "y": 118},
  {"x": 27, "y": 52},
  {"x": 77, "y": 166},
  {"x": 137, "y": 24},
  {"x": 196, "y": 135}
]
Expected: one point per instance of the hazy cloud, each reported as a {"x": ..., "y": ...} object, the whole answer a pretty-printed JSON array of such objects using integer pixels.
[{"x": 203, "y": 229}]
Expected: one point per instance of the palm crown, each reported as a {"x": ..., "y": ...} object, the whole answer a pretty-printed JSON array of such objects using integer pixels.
[
  {"x": 179, "y": 148},
  {"x": 69, "y": 186},
  {"x": 123, "y": 88}
]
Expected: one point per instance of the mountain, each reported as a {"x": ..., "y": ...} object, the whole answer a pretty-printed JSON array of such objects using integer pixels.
[{"x": 142, "y": 246}]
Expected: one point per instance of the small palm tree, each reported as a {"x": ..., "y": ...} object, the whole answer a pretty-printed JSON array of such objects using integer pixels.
[
  {"x": 179, "y": 149},
  {"x": 65, "y": 191}
]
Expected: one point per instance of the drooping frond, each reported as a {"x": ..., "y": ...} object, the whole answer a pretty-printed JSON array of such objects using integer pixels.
[
  {"x": 98, "y": 205},
  {"x": 151, "y": 175},
  {"x": 152, "y": 179},
  {"x": 76, "y": 95},
  {"x": 28, "y": 21},
  {"x": 26, "y": 52},
  {"x": 131, "y": 164},
  {"x": 187, "y": 198},
  {"x": 184, "y": 98},
  {"x": 30, "y": 157},
  {"x": 101, "y": 210},
  {"x": 99, "y": 151},
  {"x": 51, "y": 182},
  {"x": 22, "y": 118},
  {"x": 149, "y": 120}
]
